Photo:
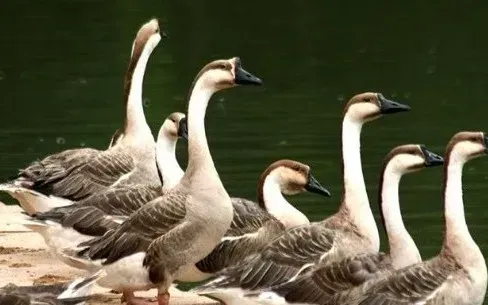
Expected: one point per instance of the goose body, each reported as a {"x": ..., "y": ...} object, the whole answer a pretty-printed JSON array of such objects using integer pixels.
[
  {"x": 131, "y": 161},
  {"x": 349, "y": 232},
  {"x": 317, "y": 283},
  {"x": 458, "y": 275},
  {"x": 65, "y": 227},
  {"x": 255, "y": 224},
  {"x": 177, "y": 230}
]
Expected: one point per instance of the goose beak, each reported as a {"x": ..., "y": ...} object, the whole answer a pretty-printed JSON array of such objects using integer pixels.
[
  {"x": 242, "y": 77},
  {"x": 388, "y": 106},
  {"x": 432, "y": 159},
  {"x": 313, "y": 186},
  {"x": 183, "y": 129},
  {"x": 485, "y": 141}
]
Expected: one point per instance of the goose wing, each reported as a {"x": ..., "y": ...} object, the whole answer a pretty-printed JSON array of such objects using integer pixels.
[
  {"x": 55, "y": 165},
  {"x": 14, "y": 299},
  {"x": 102, "y": 211},
  {"x": 321, "y": 281},
  {"x": 136, "y": 234},
  {"x": 251, "y": 229},
  {"x": 280, "y": 260},
  {"x": 412, "y": 285},
  {"x": 92, "y": 176}
]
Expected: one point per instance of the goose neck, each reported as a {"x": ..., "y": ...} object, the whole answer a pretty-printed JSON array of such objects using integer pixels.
[
  {"x": 168, "y": 166},
  {"x": 455, "y": 222},
  {"x": 136, "y": 127},
  {"x": 199, "y": 157},
  {"x": 355, "y": 199},
  {"x": 277, "y": 205},
  {"x": 402, "y": 248}
]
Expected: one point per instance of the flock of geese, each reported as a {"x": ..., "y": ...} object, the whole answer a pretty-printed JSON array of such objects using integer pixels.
[{"x": 135, "y": 220}]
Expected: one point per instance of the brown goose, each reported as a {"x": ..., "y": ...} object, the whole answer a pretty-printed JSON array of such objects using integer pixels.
[
  {"x": 177, "y": 230},
  {"x": 350, "y": 231},
  {"x": 458, "y": 274},
  {"x": 318, "y": 283},
  {"x": 73, "y": 293},
  {"x": 131, "y": 161},
  {"x": 65, "y": 227},
  {"x": 256, "y": 224}
]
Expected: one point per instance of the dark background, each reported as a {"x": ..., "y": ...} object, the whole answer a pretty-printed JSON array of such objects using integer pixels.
[{"x": 62, "y": 65}]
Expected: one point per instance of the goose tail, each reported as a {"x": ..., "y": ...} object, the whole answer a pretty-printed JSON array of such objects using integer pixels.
[
  {"x": 80, "y": 289},
  {"x": 31, "y": 201}
]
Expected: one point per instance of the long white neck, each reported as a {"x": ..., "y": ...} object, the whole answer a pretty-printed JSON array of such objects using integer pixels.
[
  {"x": 199, "y": 157},
  {"x": 136, "y": 126},
  {"x": 278, "y": 206},
  {"x": 168, "y": 166},
  {"x": 355, "y": 195},
  {"x": 456, "y": 227},
  {"x": 403, "y": 250}
]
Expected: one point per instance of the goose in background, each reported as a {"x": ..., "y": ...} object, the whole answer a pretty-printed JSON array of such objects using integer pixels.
[
  {"x": 65, "y": 227},
  {"x": 317, "y": 283},
  {"x": 458, "y": 274},
  {"x": 131, "y": 161},
  {"x": 257, "y": 223},
  {"x": 176, "y": 230},
  {"x": 73, "y": 293},
  {"x": 351, "y": 231}
]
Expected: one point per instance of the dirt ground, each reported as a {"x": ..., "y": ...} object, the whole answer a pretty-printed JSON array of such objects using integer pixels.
[{"x": 25, "y": 261}]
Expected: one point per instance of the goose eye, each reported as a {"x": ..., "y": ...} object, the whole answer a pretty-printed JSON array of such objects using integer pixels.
[
  {"x": 367, "y": 99},
  {"x": 223, "y": 67}
]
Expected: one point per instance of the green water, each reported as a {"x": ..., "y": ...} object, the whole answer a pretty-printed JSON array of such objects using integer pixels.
[{"x": 62, "y": 65}]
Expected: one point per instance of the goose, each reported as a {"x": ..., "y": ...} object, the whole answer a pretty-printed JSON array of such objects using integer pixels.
[
  {"x": 351, "y": 231},
  {"x": 131, "y": 161},
  {"x": 65, "y": 227},
  {"x": 177, "y": 230},
  {"x": 57, "y": 163},
  {"x": 74, "y": 293},
  {"x": 316, "y": 284},
  {"x": 458, "y": 274},
  {"x": 256, "y": 224}
]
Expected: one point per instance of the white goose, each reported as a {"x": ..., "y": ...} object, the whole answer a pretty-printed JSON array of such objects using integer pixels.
[
  {"x": 177, "y": 230},
  {"x": 458, "y": 275},
  {"x": 349, "y": 232},
  {"x": 321, "y": 281},
  {"x": 65, "y": 227},
  {"x": 256, "y": 224},
  {"x": 41, "y": 187}
]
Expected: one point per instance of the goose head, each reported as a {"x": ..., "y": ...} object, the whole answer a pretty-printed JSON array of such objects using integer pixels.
[
  {"x": 225, "y": 73},
  {"x": 147, "y": 38},
  {"x": 412, "y": 157},
  {"x": 292, "y": 177},
  {"x": 174, "y": 127},
  {"x": 467, "y": 145},
  {"x": 368, "y": 106}
]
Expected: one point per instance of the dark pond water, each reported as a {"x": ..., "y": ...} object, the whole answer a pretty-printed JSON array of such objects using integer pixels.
[{"x": 62, "y": 64}]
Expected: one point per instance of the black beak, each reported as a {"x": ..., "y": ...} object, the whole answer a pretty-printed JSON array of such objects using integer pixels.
[
  {"x": 388, "y": 106},
  {"x": 313, "y": 186},
  {"x": 242, "y": 77},
  {"x": 431, "y": 159},
  {"x": 485, "y": 141},
  {"x": 183, "y": 129}
]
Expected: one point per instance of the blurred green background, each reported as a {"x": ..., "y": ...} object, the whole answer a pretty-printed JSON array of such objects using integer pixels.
[{"x": 62, "y": 65}]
